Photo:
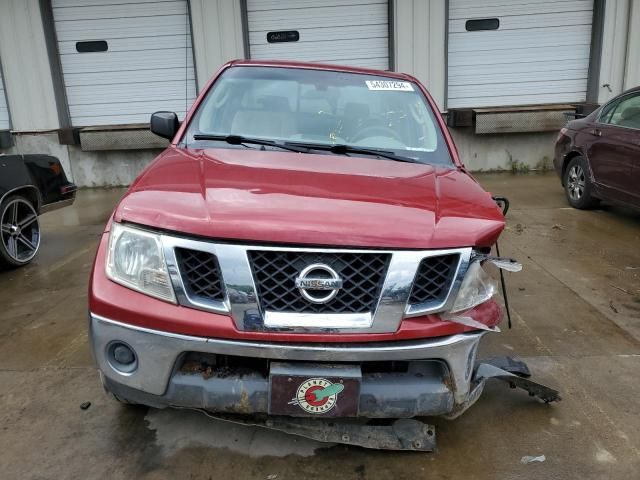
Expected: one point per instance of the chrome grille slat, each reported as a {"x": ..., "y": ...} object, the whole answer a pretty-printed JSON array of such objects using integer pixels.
[
  {"x": 200, "y": 274},
  {"x": 275, "y": 271},
  {"x": 433, "y": 279}
]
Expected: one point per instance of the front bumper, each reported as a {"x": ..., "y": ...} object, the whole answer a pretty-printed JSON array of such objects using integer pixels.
[{"x": 438, "y": 380}]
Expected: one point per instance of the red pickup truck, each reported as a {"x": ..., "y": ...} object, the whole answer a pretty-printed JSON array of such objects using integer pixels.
[{"x": 309, "y": 244}]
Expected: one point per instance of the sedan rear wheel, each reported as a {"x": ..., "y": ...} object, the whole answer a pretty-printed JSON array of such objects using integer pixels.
[
  {"x": 578, "y": 186},
  {"x": 20, "y": 232}
]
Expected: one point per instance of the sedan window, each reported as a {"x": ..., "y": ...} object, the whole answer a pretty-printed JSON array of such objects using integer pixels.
[{"x": 626, "y": 113}]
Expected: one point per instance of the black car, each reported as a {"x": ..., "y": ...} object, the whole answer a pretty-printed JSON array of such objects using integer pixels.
[{"x": 29, "y": 186}]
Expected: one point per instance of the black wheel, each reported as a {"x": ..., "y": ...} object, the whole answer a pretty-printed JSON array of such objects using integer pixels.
[
  {"x": 20, "y": 233},
  {"x": 578, "y": 186}
]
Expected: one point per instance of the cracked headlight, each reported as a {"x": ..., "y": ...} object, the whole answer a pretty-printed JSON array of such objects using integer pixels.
[
  {"x": 477, "y": 287},
  {"x": 136, "y": 260}
]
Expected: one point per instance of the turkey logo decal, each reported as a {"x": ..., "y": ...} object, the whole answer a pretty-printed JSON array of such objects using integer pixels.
[{"x": 317, "y": 395}]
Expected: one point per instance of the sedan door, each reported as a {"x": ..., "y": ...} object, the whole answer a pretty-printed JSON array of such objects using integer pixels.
[{"x": 614, "y": 150}]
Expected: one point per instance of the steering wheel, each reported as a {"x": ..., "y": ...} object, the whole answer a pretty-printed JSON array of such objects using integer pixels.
[{"x": 376, "y": 131}]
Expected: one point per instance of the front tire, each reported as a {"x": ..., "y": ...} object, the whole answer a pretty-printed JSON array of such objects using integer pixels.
[
  {"x": 19, "y": 231},
  {"x": 578, "y": 186}
]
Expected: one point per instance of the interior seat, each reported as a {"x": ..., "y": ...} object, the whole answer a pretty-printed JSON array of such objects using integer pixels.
[
  {"x": 630, "y": 117},
  {"x": 263, "y": 124}
]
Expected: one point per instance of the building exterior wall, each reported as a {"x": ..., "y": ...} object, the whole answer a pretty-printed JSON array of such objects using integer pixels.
[
  {"x": 216, "y": 27},
  {"x": 419, "y": 47},
  {"x": 420, "y": 43},
  {"x": 632, "y": 67},
  {"x": 27, "y": 75},
  {"x": 514, "y": 152},
  {"x": 620, "y": 61}
]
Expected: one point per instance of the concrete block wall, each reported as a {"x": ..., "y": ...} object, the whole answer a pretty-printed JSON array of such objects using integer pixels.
[{"x": 518, "y": 152}]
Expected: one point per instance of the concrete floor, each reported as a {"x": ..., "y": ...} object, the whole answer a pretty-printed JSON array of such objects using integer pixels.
[{"x": 576, "y": 309}]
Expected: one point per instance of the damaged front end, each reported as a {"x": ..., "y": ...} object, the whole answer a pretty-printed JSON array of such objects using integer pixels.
[
  {"x": 413, "y": 434},
  {"x": 405, "y": 360}
]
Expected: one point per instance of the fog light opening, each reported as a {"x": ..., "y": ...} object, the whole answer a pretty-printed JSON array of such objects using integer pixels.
[{"x": 122, "y": 357}]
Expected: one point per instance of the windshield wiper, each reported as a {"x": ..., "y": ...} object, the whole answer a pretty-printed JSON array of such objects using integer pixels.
[
  {"x": 342, "y": 149},
  {"x": 239, "y": 140}
]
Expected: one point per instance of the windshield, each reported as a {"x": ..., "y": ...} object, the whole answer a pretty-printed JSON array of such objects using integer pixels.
[{"x": 318, "y": 107}]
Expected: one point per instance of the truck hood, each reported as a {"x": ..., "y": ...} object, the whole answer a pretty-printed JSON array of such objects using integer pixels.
[{"x": 321, "y": 200}]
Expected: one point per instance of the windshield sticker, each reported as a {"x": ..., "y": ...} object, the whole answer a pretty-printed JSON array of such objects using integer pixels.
[{"x": 389, "y": 85}]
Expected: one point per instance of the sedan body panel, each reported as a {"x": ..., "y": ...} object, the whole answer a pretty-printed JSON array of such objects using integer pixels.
[{"x": 612, "y": 153}]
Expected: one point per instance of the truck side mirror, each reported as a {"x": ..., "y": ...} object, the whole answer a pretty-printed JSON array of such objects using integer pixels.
[{"x": 165, "y": 124}]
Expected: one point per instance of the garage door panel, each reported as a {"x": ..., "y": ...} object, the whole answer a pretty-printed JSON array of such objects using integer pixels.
[
  {"x": 319, "y": 18},
  {"x": 539, "y": 53},
  {"x": 84, "y": 3},
  {"x": 148, "y": 65},
  {"x": 329, "y": 34},
  {"x": 374, "y": 63},
  {"x": 150, "y": 91},
  {"x": 339, "y": 59},
  {"x": 340, "y": 49},
  {"x": 263, "y": 5},
  {"x": 4, "y": 110},
  {"x": 4, "y": 115},
  {"x": 130, "y": 108},
  {"x": 161, "y": 42},
  {"x": 524, "y": 22},
  {"x": 536, "y": 38},
  {"x": 512, "y": 88},
  {"x": 124, "y": 113},
  {"x": 127, "y": 77},
  {"x": 524, "y": 6},
  {"x": 517, "y": 56},
  {"x": 105, "y": 29},
  {"x": 108, "y": 61},
  {"x": 138, "y": 10},
  {"x": 548, "y": 75},
  {"x": 519, "y": 99},
  {"x": 461, "y": 72},
  {"x": 464, "y": 10},
  {"x": 337, "y": 31}
]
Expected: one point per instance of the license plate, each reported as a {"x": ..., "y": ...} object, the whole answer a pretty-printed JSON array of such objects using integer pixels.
[{"x": 308, "y": 390}]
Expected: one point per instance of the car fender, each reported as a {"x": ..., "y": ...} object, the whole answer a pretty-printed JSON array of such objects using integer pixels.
[{"x": 15, "y": 178}]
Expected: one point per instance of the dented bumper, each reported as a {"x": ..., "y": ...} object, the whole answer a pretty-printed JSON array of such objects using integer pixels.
[{"x": 436, "y": 377}]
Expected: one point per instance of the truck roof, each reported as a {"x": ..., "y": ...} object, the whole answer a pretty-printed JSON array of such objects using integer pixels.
[{"x": 320, "y": 66}]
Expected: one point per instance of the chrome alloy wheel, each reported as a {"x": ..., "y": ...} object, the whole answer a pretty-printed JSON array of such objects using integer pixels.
[
  {"x": 20, "y": 230},
  {"x": 576, "y": 182}
]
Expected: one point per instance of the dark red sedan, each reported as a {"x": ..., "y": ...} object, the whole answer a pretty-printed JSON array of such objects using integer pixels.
[{"x": 598, "y": 157}]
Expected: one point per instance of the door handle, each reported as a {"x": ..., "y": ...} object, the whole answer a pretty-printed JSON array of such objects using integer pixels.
[{"x": 597, "y": 132}]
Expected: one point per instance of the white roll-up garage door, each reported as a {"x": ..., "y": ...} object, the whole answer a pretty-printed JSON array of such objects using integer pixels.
[
  {"x": 518, "y": 52},
  {"x": 4, "y": 111},
  {"x": 124, "y": 59},
  {"x": 346, "y": 32}
]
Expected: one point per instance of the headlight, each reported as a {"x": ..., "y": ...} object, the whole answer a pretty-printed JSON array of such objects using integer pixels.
[
  {"x": 136, "y": 260},
  {"x": 476, "y": 288}
]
